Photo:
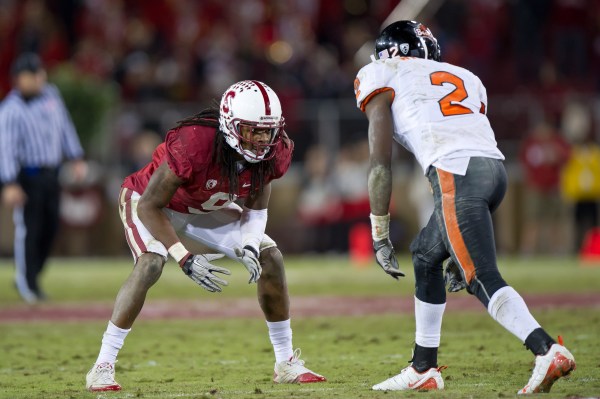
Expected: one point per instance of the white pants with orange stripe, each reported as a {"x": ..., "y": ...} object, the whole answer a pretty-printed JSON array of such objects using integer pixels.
[{"x": 218, "y": 230}]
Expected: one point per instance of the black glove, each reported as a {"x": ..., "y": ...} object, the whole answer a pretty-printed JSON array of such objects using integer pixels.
[
  {"x": 199, "y": 269},
  {"x": 384, "y": 254},
  {"x": 453, "y": 278}
]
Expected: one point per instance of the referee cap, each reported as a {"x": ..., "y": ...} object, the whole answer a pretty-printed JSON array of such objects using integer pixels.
[{"x": 26, "y": 62}]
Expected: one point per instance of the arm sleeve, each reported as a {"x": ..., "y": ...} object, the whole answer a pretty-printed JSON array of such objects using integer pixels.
[
  {"x": 370, "y": 81},
  {"x": 10, "y": 125},
  {"x": 71, "y": 145},
  {"x": 252, "y": 226}
]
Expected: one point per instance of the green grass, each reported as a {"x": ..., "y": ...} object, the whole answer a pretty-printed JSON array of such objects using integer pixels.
[
  {"x": 100, "y": 279},
  {"x": 233, "y": 358}
]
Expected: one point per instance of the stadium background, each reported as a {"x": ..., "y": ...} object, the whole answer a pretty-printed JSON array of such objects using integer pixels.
[{"x": 129, "y": 69}]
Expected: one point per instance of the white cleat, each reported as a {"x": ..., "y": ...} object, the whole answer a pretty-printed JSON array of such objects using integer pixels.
[
  {"x": 293, "y": 371},
  {"x": 410, "y": 379},
  {"x": 557, "y": 363},
  {"x": 102, "y": 378}
]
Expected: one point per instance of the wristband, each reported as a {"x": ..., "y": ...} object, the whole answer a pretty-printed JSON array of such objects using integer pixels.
[
  {"x": 178, "y": 252},
  {"x": 380, "y": 227}
]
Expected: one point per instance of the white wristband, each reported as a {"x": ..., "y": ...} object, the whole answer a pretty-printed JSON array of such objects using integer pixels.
[
  {"x": 178, "y": 251},
  {"x": 380, "y": 227}
]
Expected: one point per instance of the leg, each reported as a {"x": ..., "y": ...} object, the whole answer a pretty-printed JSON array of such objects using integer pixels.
[
  {"x": 464, "y": 205},
  {"x": 220, "y": 230},
  {"x": 128, "y": 305},
  {"x": 23, "y": 273},
  {"x": 32, "y": 215},
  {"x": 274, "y": 302},
  {"x": 51, "y": 221},
  {"x": 150, "y": 258},
  {"x": 52, "y": 214},
  {"x": 132, "y": 295},
  {"x": 29, "y": 223},
  {"x": 428, "y": 253},
  {"x": 272, "y": 286}
]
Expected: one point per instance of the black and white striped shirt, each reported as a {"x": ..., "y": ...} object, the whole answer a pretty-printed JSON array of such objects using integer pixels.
[{"x": 36, "y": 133}]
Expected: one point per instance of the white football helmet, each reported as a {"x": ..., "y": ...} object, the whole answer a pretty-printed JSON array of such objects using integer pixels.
[{"x": 251, "y": 103}]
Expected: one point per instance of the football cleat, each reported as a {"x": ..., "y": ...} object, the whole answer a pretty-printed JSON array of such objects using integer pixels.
[
  {"x": 411, "y": 379},
  {"x": 293, "y": 371},
  {"x": 102, "y": 378},
  {"x": 557, "y": 362}
]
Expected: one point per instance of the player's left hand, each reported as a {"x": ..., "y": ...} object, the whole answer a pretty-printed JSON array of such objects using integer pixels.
[
  {"x": 249, "y": 258},
  {"x": 384, "y": 254},
  {"x": 453, "y": 279}
]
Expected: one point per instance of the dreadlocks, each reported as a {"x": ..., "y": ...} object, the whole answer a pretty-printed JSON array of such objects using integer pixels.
[{"x": 227, "y": 157}]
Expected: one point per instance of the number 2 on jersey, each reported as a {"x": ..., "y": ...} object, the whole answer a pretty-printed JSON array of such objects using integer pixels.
[{"x": 450, "y": 104}]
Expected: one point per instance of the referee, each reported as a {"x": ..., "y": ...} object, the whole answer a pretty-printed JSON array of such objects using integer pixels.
[{"x": 36, "y": 134}]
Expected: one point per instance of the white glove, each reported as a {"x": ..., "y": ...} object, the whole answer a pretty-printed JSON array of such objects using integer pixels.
[
  {"x": 199, "y": 269},
  {"x": 249, "y": 258},
  {"x": 384, "y": 254}
]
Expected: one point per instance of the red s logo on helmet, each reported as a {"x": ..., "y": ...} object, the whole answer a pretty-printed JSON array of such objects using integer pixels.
[{"x": 227, "y": 102}]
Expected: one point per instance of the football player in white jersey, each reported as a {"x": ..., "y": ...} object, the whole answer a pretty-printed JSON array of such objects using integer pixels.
[{"x": 437, "y": 111}]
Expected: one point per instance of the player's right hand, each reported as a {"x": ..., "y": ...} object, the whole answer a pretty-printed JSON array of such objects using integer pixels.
[
  {"x": 384, "y": 254},
  {"x": 199, "y": 269}
]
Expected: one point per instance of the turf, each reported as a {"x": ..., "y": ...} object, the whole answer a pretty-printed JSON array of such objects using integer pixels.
[
  {"x": 233, "y": 358},
  {"x": 99, "y": 279}
]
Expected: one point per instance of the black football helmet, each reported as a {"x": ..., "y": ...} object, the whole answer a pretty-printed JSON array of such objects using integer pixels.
[{"x": 407, "y": 39}]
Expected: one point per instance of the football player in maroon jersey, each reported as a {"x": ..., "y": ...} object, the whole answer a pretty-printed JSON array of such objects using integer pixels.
[{"x": 205, "y": 164}]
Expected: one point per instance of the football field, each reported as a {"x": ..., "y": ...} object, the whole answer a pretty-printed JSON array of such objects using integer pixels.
[{"x": 353, "y": 324}]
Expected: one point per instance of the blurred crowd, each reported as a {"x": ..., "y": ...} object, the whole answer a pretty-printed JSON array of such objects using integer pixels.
[
  {"x": 186, "y": 50},
  {"x": 542, "y": 56}
]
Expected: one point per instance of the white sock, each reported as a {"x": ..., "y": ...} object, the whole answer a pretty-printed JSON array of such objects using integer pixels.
[
  {"x": 428, "y": 318},
  {"x": 280, "y": 333},
  {"x": 508, "y": 308},
  {"x": 112, "y": 342}
]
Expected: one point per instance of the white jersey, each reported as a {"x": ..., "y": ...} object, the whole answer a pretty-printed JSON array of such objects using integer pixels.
[{"x": 439, "y": 110}]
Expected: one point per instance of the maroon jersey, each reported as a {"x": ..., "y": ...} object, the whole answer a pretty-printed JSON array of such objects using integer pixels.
[{"x": 188, "y": 152}]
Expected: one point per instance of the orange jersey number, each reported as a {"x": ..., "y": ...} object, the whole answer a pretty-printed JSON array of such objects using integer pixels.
[{"x": 449, "y": 104}]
